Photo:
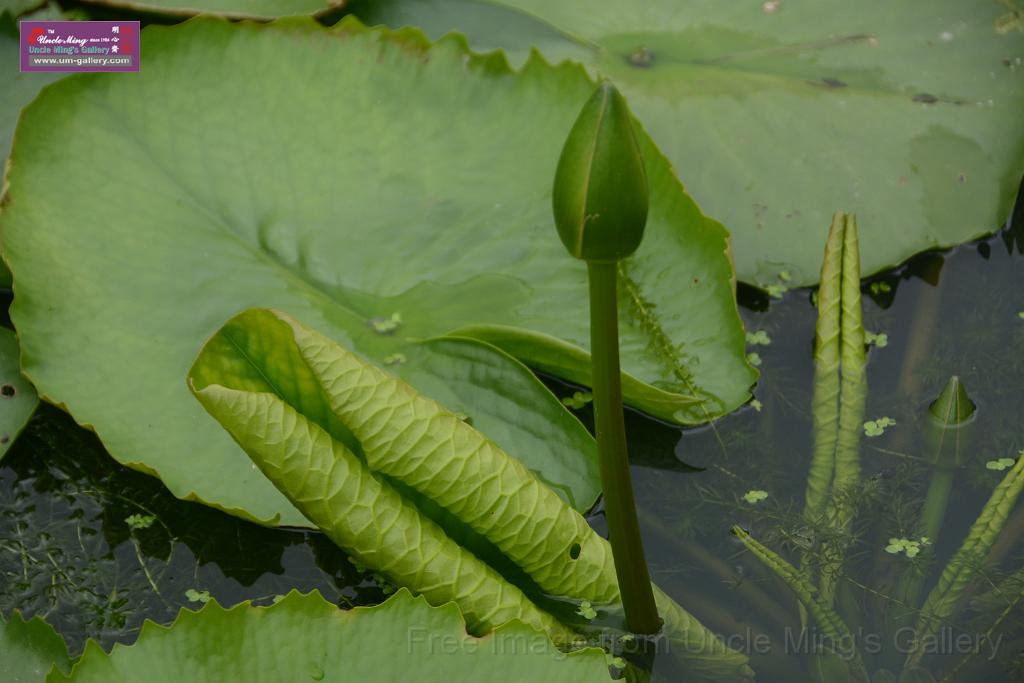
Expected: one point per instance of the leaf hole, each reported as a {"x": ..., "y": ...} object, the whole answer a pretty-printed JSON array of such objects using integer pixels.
[
  {"x": 574, "y": 551},
  {"x": 7, "y": 390}
]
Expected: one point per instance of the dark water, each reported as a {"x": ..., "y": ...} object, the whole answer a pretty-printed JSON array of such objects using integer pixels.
[{"x": 69, "y": 552}]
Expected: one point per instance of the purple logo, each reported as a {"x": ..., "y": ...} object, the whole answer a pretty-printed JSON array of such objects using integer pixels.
[{"x": 72, "y": 46}]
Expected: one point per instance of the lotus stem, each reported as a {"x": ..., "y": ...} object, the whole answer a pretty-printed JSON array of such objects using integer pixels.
[{"x": 619, "y": 503}]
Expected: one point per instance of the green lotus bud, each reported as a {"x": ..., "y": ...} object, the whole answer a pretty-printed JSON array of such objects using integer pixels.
[{"x": 600, "y": 193}]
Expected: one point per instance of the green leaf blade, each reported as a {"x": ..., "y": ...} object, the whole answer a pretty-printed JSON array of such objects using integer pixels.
[
  {"x": 828, "y": 620},
  {"x": 453, "y": 245},
  {"x": 364, "y": 515},
  {"x": 968, "y": 560},
  {"x": 29, "y": 650},
  {"x": 18, "y": 398},
  {"x": 825, "y": 402},
  {"x": 304, "y": 637},
  {"x": 908, "y": 114}
]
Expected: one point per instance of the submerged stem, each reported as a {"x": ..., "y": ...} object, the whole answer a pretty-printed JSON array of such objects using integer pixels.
[{"x": 620, "y": 506}]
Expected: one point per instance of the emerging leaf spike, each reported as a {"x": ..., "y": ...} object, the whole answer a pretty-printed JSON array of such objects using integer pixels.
[
  {"x": 953, "y": 406},
  {"x": 600, "y": 194}
]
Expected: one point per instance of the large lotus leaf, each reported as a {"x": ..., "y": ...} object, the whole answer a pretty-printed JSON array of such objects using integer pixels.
[
  {"x": 29, "y": 650},
  {"x": 304, "y": 637},
  {"x": 18, "y": 398},
  {"x": 245, "y": 9},
  {"x": 378, "y": 188},
  {"x": 776, "y": 114},
  {"x": 18, "y": 88}
]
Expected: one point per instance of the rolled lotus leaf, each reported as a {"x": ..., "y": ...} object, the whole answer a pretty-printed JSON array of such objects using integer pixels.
[
  {"x": 415, "y": 441},
  {"x": 852, "y": 396},
  {"x": 419, "y": 442},
  {"x": 828, "y": 620},
  {"x": 839, "y": 378},
  {"x": 363, "y": 514},
  {"x": 840, "y": 389},
  {"x": 968, "y": 560}
]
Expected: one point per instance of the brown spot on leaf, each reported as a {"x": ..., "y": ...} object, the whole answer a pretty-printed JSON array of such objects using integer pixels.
[
  {"x": 7, "y": 390},
  {"x": 642, "y": 57}
]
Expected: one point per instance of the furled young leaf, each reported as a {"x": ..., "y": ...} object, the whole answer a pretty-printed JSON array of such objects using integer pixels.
[
  {"x": 964, "y": 565},
  {"x": 306, "y": 638},
  {"x": 29, "y": 650},
  {"x": 415, "y": 203},
  {"x": 417, "y": 441},
  {"x": 18, "y": 398},
  {"x": 776, "y": 113},
  {"x": 825, "y": 401},
  {"x": 301, "y": 448},
  {"x": 852, "y": 395},
  {"x": 830, "y": 623},
  {"x": 840, "y": 389},
  {"x": 263, "y": 358},
  {"x": 519, "y": 415}
]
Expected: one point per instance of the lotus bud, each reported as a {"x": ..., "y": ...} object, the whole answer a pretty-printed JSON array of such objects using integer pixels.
[{"x": 600, "y": 194}]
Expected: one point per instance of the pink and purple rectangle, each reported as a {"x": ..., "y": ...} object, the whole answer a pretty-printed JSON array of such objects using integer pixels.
[{"x": 74, "y": 46}]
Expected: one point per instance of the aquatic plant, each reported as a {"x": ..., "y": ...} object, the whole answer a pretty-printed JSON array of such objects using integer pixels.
[
  {"x": 387, "y": 189},
  {"x": 406, "y": 487},
  {"x": 459, "y": 242},
  {"x": 965, "y": 564},
  {"x": 18, "y": 398},
  {"x": 302, "y": 637},
  {"x": 840, "y": 389},
  {"x": 923, "y": 87},
  {"x": 839, "y": 396},
  {"x": 600, "y": 202}
]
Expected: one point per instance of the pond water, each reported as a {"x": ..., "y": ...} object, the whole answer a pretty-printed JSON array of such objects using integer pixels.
[{"x": 96, "y": 548}]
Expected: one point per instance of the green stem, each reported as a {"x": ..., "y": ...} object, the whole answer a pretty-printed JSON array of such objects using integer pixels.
[{"x": 619, "y": 504}]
